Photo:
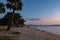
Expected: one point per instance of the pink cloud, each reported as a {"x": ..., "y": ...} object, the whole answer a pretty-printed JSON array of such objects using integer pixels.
[{"x": 47, "y": 21}]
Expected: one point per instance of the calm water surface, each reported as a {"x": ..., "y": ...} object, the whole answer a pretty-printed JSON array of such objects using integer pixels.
[{"x": 50, "y": 29}]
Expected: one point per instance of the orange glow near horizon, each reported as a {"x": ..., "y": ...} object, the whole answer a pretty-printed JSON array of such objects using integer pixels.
[{"x": 55, "y": 20}]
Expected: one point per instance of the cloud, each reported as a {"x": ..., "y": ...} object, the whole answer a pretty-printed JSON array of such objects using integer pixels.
[
  {"x": 33, "y": 19},
  {"x": 47, "y": 21}
]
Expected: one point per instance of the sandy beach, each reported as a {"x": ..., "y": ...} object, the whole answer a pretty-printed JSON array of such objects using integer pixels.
[
  {"x": 35, "y": 34},
  {"x": 30, "y": 34}
]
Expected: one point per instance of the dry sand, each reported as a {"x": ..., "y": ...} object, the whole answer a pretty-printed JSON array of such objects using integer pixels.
[
  {"x": 34, "y": 34},
  {"x": 31, "y": 34}
]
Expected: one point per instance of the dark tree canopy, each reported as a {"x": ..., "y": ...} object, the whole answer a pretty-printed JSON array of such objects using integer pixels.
[
  {"x": 17, "y": 19},
  {"x": 12, "y": 18},
  {"x": 2, "y": 8},
  {"x": 15, "y": 4},
  {"x": 14, "y": 1}
]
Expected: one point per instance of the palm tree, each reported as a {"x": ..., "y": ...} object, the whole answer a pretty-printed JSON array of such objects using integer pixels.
[{"x": 14, "y": 5}]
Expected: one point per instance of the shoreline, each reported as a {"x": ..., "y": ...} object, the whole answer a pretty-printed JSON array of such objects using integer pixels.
[
  {"x": 44, "y": 30},
  {"x": 27, "y": 33},
  {"x": 39, "y": 34}
]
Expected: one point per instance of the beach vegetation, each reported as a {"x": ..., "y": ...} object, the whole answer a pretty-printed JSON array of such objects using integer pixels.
[{"x": 12, "y": 18}]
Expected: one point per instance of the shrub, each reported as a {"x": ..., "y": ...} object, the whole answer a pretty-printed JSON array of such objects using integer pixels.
[
  {"x": 15, "y": 33},
  {"x": 7, "y": 38}
]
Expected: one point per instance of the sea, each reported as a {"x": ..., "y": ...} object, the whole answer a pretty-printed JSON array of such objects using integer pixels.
[{"x": 50, "y": 29}]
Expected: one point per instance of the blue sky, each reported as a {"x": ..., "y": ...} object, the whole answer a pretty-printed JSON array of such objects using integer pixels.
[
  {"x": 47, "y": 10},
  {"x": 40, "y": 8}
]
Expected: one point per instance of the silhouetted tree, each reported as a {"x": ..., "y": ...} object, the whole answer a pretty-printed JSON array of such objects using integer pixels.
[
  {"x": 17, "y": 19},
  {"x": 14, "y": 5},
  {"x": 6, "y": 19},
  {"x": 2, "y": 10},
  {"x": 12, "y": 17}
]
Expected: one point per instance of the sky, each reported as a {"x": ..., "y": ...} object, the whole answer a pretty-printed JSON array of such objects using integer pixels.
[{"x": 40, "y": 12}]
